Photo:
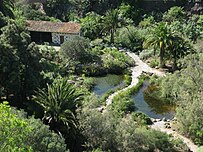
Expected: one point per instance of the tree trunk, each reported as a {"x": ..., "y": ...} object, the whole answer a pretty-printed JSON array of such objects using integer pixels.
[
  {"x": 174, "y": 66},
  {"x": 112, "y": 36},
  {"x": 161, "y": 57}
]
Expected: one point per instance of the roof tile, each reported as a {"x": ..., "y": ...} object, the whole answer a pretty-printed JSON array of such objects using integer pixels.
[{"x": 58, "y": 27}]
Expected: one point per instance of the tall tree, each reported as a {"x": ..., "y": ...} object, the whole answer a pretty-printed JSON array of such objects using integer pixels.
[
  {"x": 58, "y": 9},
  {"x": 19, "y": 63},
  {"x": 114, "y": 19},
  {"x": 160, "y": 38}
]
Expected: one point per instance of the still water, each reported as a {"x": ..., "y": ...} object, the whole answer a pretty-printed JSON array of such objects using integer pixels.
[
  {"x": 110, "y": 81},
  {"x": 152, "y": 107}
]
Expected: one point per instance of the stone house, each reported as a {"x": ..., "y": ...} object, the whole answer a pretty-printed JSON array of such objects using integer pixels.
[{"x": 52, "y": 32}]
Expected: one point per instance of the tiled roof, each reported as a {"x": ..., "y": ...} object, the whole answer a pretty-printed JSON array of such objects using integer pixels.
[{"x": 59, "y": 27}]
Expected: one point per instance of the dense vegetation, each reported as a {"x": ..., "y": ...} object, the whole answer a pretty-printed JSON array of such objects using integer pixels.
[{"x": 50, "y": 105}]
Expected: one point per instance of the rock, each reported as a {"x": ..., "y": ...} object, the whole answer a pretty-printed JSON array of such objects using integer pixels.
[
  {"x": 166, "y": 123},
  {"x": 169, "y": 126},
  {"x": 174, "y": 130},
  {"x": 154, "y": 120},
  {"x": 164, "y": 119},
  {"x": 100, "y": 109},
  {"x": 168, "y": 120},
  {"x": 174, "y": 119},
  {"x": 158, "y": 120}
]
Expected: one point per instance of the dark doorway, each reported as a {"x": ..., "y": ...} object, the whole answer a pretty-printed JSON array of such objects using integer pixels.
[
  {"x": 61, "y": 39},
  {"x": 41, "y": 37}
]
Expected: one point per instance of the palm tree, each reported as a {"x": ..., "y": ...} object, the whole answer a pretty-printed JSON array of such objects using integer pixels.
[
  {"x": 111, "y": 22},
  {"x": 6, "y": 7},
  {"x": 59, "y": 103},
  {"x": 178, "y": 49},
  {"x": 160, "y": 38}
]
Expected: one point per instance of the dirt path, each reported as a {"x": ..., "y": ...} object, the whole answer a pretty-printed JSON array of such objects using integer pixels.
[
  {"x": 136, "y": 72},
  {"x": 161, "y": 127}
]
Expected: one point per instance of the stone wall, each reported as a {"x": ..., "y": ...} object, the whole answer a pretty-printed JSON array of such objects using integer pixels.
[{"x": 56, "y": 37}]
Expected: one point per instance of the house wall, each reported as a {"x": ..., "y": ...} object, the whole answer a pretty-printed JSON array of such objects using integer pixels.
[{"x": 56, "y": 37}]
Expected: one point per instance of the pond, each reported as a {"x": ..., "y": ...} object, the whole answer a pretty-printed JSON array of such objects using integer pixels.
[
  {"x": 104, "y": 84},
  {"x": 152, "y": 107}
]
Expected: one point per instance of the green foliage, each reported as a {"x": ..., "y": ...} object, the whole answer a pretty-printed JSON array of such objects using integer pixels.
[
  {"x": 186, "y": 92},
  {"x": 108, "y": 132},
  {"x": 58, "y": 9},
  {"x": 115, "y": 61},
  {"x": 129, "y": 37},
  {"x": 98, "y": 129},
  {"x": 159, "y": 39},
  {"x": 76, "y": 50},
  {"x": 94, "y": 60},
  {"x": 123, "y": 103},
  {"x": 174, "y": 13},
  {"x": 135, "y": 139},
  {"x": 147, "y": 53},
  {"x": 200, "y": 22},
  {"x": 200, "y": 149},
  {"x": 6, "y": 7},
  {"x": 141, "y": 118},
  {"x": 13, "y": 131},
  {"x": 3, "y": 20},
  {"x": 21, "y": 134},
  {"x": 42, "y": 139},
  {"x": 59, "y": 103},
  {"x": 167, "y": 40},
  {"x": 22, "y": 76},
  {"x": 154, "y": 63},
  {"x": 91, "y": 25},
  {"x": 113, "y": 20},
  {"x": 147, "y": 22}
]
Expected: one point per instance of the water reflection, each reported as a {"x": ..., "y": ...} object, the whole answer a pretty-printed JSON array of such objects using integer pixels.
[
  {"x": 104, "y": 84},
  {"x": 152, "y": 107}
]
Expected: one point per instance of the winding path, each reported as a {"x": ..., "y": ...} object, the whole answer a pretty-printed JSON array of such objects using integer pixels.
[
  {"x": 136, "y": 72},
  {"x": 161, "y": 127}
]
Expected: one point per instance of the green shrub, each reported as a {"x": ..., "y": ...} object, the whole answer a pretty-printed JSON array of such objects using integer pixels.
[
  {"x": 115, "y": 61},
  {"x": 145, "y": 54},
  {"x": 123, "y": 103},
  {"x": 154, "y": 63},
  {"x": 147, "y": 22},
  {"x": 141, "y": 118},
  {"x": 129, "y": 37},
  {"x": 17, "y": 133}
]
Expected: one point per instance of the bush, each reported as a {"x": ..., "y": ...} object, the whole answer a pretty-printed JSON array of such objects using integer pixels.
[
  {"x": 76, "y": 49},
  {"x": 154, "y": 63},
  {"x": 115, "y": 61},
  {"x": 108, "y": 132},
  {"x": 132, "y": 138},
  {"x": 123, "y": 103},
  {"x": 17, "y": 133},
  {"x": 141, "y": 118},
  {"x": 129, "y": 37},
  {"x": 145, "y": 54},
  {"x": 147, "y": 22}
]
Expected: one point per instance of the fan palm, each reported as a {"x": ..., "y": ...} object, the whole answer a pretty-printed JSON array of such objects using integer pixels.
[{"x": 59, "y": 103}]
